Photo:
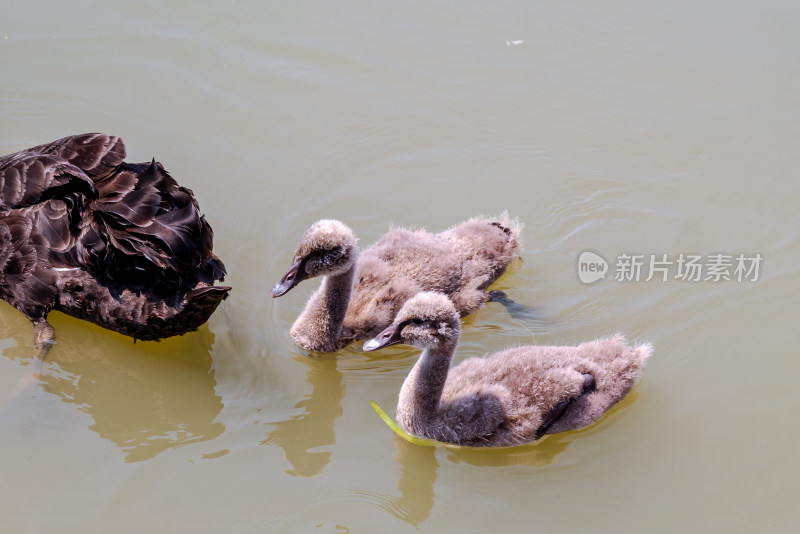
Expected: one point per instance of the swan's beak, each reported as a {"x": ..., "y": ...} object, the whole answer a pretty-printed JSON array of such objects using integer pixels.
[
  {"x": 293, "y": 276},
  {"x": 390, "y": 336}
]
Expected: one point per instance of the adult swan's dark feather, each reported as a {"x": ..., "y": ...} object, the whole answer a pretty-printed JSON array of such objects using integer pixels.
[{"x": 119, "y": 244}]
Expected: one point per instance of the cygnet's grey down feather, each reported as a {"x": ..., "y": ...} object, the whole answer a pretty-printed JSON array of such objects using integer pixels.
[
  {"x": 362, "y": 292},
  {"x": 511, "y": 397}
]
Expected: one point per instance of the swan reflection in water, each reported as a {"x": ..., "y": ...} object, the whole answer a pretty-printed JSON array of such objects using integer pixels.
[
  {"x": 314, "y": 427},
  {"x": 418, "y": 465},
  {"x": 146, "y": 397}
]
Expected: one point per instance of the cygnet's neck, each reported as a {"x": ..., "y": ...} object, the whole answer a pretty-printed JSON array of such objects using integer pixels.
[
  {"x": 319, "y": 327},
  {"x": 418, "y": 402}
]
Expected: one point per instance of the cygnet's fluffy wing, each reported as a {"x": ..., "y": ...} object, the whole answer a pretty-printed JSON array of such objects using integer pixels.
[
  {"x": 460, "y": 262},
  {"x": 528, "y": 382}
]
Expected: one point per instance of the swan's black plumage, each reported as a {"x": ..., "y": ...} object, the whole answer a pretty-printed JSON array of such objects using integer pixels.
[{"x": 119, "y": 244}]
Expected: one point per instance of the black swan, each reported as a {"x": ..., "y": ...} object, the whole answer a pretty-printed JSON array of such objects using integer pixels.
[{"x": 119, "y": 244}]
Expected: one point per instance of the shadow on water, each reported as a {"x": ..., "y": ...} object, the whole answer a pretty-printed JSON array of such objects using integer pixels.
[
  {"x": 145, "y": 397},
  {"x": 537, "y": 454},
  {"x": 314, "y": 427}
]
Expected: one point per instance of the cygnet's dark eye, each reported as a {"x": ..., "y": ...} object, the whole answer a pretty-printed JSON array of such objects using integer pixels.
[{"x": 416, "y": 320}]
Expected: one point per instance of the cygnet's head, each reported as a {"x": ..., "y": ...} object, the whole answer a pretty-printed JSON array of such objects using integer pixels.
[
  {"x": 427, "y": 320},
  {"x": 327, "y": 248}
]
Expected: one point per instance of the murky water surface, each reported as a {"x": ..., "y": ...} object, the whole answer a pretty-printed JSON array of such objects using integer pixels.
[{"x": 645, "y": 129}]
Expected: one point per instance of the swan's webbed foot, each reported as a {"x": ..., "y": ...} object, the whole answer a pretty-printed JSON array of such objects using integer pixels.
[
  {"x": 499, "y": 296},
  {"x": 44, "y": 336},
  {"x": 516, "y": 310}
]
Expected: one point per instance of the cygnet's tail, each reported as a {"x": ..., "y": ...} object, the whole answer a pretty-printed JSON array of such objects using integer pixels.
[
  {"x": 494, "y": 239},
  {"x": 642, "y": 353},
  {"x": 629, "y": 362},
  {"x": 513, "y": 228},
  {"x": 509, "y": 245}
]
